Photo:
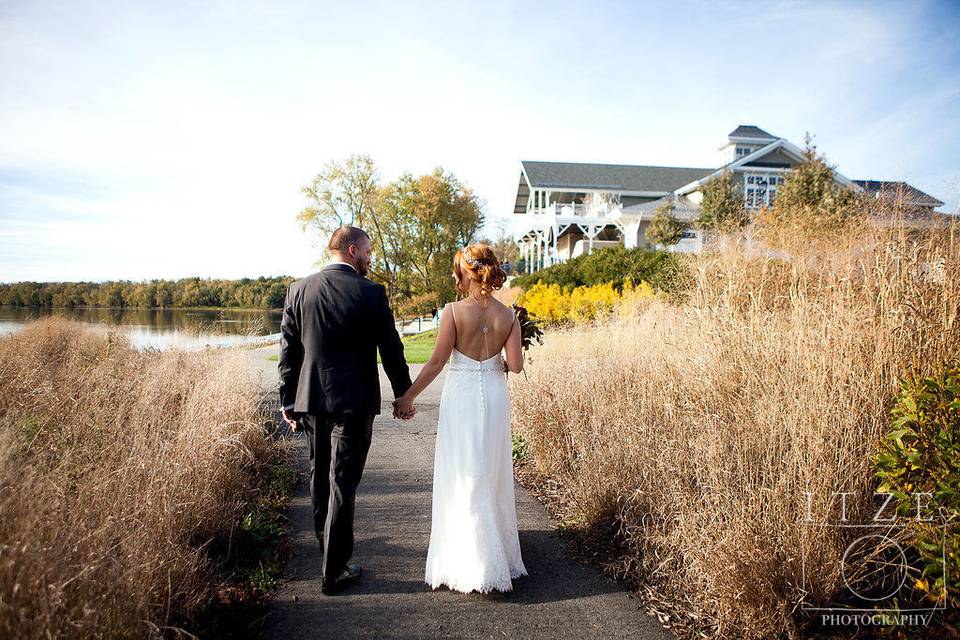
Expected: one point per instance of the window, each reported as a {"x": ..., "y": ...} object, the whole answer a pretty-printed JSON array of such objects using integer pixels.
[
  {"x": 760, "y": 189},
  {"x": 743, "y": 151}
]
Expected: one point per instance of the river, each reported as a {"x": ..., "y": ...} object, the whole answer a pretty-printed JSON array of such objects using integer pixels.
[{"x": 162, "y": 328}]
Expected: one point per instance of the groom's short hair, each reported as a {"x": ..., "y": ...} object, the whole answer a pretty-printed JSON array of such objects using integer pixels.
[{"x": 345, "y": 236}]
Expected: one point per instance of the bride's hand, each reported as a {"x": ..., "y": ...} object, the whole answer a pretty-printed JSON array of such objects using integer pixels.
[{"x": 403, "y": 408}]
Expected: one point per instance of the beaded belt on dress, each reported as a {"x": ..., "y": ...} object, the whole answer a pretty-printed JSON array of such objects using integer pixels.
[{"x": 493, "y": 366}]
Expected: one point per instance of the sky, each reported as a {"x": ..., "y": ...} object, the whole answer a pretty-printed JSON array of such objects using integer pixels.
[{"x": 170, "y": 139}]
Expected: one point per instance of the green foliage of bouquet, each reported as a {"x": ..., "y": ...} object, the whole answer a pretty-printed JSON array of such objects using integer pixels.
[{"x": 530, "y": 330}]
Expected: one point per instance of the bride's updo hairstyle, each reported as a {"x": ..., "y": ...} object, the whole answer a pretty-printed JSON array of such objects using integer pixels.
[{"x": 480, "y": 264}]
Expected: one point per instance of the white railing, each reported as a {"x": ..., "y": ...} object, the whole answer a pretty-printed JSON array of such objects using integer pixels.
[
  {"x": 598, "y": 210},
  {"x": 413, "y": 326}
]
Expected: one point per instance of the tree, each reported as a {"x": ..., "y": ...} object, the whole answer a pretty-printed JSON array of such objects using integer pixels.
[
  {"x": 664, "y": 228},
  {"x": 506, "y": 251},
  {"x": 503, "y": 245},
  {"x": 415, "y": 224},
  {"x": 347, "y": 192},
  {"x": 722, "y": 206},
  {"x": 810, "y": 200},
  {"x": 142, "y": 296},
  {"x": 427, "y": 219}
]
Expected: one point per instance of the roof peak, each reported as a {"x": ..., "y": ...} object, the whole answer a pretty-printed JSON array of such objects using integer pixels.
[{"x": 750, "y": 131}]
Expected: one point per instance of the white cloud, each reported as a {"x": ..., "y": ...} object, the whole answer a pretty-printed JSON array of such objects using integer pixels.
[{"x": 198, "y": 123}]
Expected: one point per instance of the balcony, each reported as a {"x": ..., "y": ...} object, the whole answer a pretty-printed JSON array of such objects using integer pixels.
[
  {"x": 567, "y": 209},
  {"x": 561, "y": 215}
]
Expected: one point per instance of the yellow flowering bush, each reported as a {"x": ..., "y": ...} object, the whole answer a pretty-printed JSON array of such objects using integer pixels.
[
  {"x": 591, "y": 303},
  {"x": 552, "y": 304},
  {"x": 546, "y": 302}
]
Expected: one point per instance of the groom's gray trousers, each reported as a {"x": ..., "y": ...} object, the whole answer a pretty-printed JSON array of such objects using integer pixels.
[{"x": 338, "y": 452}]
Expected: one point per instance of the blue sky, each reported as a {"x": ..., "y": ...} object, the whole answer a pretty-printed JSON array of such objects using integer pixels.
[{"x": 169, "y": 139}]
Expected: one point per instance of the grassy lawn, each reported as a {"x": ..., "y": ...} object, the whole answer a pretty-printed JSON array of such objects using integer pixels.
[{"x": 417, "y": 349}]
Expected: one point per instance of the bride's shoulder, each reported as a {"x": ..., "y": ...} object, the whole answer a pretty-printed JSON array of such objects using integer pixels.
[{"x": 505, "y": 311}]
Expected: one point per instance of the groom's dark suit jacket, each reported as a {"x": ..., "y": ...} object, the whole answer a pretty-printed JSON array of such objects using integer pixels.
[{"x": 333, "y": 322}]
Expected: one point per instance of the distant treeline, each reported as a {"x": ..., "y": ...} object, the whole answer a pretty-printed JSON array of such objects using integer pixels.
[{"x": 249, "y": 293}]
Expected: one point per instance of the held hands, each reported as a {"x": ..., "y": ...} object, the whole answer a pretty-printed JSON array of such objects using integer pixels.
[{"x": 403, "y": 408}]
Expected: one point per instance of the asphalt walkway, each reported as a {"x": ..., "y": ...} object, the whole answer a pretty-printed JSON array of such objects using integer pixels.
[{"x": 561, "y": 598}]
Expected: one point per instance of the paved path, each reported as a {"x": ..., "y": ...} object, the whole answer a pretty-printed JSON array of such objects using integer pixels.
[{"x": 561, "y": 598}]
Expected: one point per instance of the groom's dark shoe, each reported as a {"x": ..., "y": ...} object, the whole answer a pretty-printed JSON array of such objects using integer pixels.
[{"x": 347, "y": 577}]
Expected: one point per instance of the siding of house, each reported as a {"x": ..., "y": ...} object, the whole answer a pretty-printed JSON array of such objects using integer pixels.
[{"x": 777, "y": 157}]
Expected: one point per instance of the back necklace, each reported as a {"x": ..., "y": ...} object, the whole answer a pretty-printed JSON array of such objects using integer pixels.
[{"x": 484, "y": 325}]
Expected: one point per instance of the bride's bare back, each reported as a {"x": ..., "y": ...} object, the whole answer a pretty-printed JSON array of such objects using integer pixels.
[
  {"x": 478, "y": 327},
  {"x": 482, "y": 327}
]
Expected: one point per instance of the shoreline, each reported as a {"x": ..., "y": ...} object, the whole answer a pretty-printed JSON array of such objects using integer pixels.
[{"x": 90, "y": 308}]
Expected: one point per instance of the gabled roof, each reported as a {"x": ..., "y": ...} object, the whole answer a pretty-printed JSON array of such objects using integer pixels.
[
  {"x": 892, "y": 189},
  {"x": 776, "y": 143},
  {"x": 750, "y": 131},
  {"x": 609, "y": 177},
  {"x": 683, "y": 208}
]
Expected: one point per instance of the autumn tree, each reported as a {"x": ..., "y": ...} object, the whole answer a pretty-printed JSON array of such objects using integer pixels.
[
  {"x": 348, "y": 192},
  {"x": 415, "y": 224},
  {"x": 427, "y": 218},
  {"x": 502, "y": 242}
]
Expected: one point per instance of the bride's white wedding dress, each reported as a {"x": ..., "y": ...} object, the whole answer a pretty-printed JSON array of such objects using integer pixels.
[{"x": 474, "y": 544}]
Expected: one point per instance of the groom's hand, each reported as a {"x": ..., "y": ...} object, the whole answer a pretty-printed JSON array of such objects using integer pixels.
[
  {"x": 403, "y": 409},
  {"x": 289, "y": 419}
]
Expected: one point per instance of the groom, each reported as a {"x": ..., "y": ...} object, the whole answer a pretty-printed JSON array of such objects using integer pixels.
[{"x": 333, "y": 322}]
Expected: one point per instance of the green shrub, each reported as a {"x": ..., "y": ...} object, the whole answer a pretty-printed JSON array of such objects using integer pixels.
[
  {"x": 519, "y": 446},
  {"x": 921, "y": 455},
  {"x": 811, "y": 203},
  {"x": 722, "y": 205},
  {"x": 614, "y": 264},
  {"x": 665, "y": 229}
]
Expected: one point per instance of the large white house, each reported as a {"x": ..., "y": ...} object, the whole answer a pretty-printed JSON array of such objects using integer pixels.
[{"x": 564, "y": 209}]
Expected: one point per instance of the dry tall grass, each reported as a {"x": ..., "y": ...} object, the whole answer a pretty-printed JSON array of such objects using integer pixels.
[
  {"x": 117, "y": 468},
  {"x": 696, "y": 429}
]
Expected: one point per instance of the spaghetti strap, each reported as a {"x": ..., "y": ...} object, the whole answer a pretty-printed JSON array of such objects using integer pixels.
[{"x": 453, "y": 313}]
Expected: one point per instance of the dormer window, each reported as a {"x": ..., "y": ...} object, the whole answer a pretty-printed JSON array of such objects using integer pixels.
[{"x": 743, "y": 151}]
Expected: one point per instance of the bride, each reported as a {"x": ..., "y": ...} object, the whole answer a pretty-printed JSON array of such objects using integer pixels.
[{"x": 473, "y": 537}]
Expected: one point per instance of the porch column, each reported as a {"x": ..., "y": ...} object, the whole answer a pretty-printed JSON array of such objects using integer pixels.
[
  {"x": 592, "y": 232},
  {"x": 631, "y": 235},
  {"x": 554, "y": 256}
]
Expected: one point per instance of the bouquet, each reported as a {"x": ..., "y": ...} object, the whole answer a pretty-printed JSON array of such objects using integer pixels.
[{"x": 530, "y": 330}]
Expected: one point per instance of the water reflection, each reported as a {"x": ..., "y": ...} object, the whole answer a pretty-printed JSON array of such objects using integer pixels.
[{"x": 162, "y": 328}]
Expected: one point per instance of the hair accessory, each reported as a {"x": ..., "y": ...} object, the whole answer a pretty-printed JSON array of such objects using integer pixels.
[{"x": 470, "y": 261}]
